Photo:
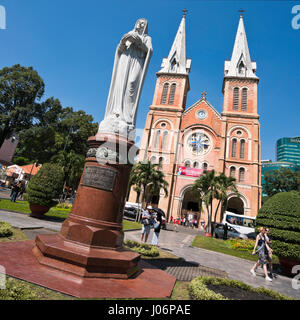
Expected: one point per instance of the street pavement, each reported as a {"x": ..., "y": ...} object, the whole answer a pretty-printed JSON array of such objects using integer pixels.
[{"x": 178, "y": 243}]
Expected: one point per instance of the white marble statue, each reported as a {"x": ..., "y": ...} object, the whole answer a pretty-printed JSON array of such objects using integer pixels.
[{"x": 132, "y": 58}]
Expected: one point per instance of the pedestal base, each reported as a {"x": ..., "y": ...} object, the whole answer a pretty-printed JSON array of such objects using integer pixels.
[
  {"x": 54, "y": 251},
  {"x": 19, "y": 262}
]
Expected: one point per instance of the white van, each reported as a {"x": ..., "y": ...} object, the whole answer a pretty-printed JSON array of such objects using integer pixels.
[{"x": 241, "y": 223}]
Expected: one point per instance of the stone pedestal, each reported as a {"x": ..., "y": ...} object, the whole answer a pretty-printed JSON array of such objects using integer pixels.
[{"x": 90, "y": 243}]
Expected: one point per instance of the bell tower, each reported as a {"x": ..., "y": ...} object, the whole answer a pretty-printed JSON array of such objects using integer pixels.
[
  {"x": 161, "y": 132},
  {"x": 240, "y": 126}
]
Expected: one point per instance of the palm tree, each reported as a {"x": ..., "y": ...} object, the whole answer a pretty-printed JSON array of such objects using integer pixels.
[
  {"x": 210, "y": 187},
  {"x": 226, "y": 186},
  {"x": 148, "y": 179},
  {"x": 207, "y": 187}
]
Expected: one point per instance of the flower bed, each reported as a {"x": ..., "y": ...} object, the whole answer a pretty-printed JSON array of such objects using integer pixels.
[
  {"x": 209, "y": 288},
  {"x": 16, "y": 290},
  {"x": 241, "y": 244},
  {"x": 142, "y": 248}
]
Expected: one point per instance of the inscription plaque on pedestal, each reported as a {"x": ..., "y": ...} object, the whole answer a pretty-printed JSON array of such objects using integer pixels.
[{"x": 99, "y": 177}]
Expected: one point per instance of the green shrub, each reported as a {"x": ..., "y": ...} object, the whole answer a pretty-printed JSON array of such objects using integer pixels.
[
  {"x": 16, "y": 290},
  {"x": 45, "y": 186},
  {"x": 142, "y": 248},
  {"x": 281, "y": 213},
  {"x": 199, "y": 291},
  {"x": 5, "y": 229}
]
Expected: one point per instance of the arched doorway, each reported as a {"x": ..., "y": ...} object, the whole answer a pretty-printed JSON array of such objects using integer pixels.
[
  {"x": 190, "y": 205},
  {"x": 235, "y": 205}
]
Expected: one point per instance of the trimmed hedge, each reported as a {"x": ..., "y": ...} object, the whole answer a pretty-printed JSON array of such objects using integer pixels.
[
  {"x": 46, "y": 185},
  {"x": 199, "y": 291},
  {"x": 5, "y": 229},
  {"x": 281, "y": 213},
  {"x": 142, "y": 248}
]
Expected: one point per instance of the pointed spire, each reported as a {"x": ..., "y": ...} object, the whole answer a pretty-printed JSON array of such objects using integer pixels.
[
  {"x": 240, "y": 64},
  {"x": 176, "y": 61}
]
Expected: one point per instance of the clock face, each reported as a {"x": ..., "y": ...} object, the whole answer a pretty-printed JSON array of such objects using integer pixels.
[
  {"x": 201, "y": 114},
  {"x": 199, "y": 143}
]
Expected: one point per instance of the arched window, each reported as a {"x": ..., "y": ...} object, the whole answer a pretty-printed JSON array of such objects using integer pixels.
[
  {"x": 156, "y": 142},
  {"x": 172, "y": 93},
  {"x": 187, "y": 164},
  {"x": 241, "y": 68},
  {"x": 241, "y": 175},
  {"x": 242, "y": 149},
  {"x": 153, "y": 159},
  {"x": 232, "y": 172},
  {"x": 236, "y": 92},
  {"x": 244, "y": 99},
  {"x": 165, "y": 93},
  {"x": 233, "y": 151},
  {"x": 196, "y": 165},
  {"x": 164, "y": 140},
  {"x": 204, "y": 166}
]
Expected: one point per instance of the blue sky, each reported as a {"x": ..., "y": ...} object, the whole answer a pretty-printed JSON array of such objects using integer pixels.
[{"x": 71, "y": 43}]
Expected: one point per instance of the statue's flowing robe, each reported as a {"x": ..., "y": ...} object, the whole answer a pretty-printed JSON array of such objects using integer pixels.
[{"x": 128, "y": 76}]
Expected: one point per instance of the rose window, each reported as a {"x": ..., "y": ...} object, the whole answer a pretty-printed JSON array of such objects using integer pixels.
[{"x": 199, "y": 143}]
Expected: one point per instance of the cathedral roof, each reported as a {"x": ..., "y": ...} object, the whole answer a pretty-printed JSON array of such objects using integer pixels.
[
  {"x": 176, "y": 61},
  {"x": 240, "y": 65},
  {"x": 203, "y": 99}
]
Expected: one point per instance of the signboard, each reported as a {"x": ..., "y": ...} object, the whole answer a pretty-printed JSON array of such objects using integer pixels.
[
  {"x": 99, "y": 177},
  {"x": 190, "y": 172}
]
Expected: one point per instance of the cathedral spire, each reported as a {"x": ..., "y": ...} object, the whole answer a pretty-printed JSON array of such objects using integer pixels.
[
  {"x": 176, "y": 61},
  {"x": 240, "y": 65}
]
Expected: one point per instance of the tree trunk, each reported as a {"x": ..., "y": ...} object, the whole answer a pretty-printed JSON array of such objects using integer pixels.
[
  {"x": 4, "y": 134},
  {"x": 215, "y": 218}
]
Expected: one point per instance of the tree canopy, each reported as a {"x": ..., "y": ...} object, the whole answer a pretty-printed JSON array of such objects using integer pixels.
[
  {"x": 20, "y": 90},
  {"x": 47, "y": 131},
  {"x": 148, "y": 178},
  {"x": 282, "y": 180}
]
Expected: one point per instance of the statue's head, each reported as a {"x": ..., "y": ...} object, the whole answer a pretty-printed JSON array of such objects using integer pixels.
[{"x": 141, "y": 26}]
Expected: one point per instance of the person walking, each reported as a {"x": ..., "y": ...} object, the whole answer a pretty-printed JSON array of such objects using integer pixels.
[
  {"x": 225, "y": 235},
  {"x": 261, "y": 245},
  {"x": 146, "y": 221},
  {"x": 156, "y": 228},
  {"x": 21, "y": 192},
  {"x": 14, "y": 192},
  {"x": 269, "y": 254}
]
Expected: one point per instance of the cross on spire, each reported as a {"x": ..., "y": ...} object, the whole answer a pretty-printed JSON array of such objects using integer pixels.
[
  {"x": 184, "y": 12},
  {"x": 241, "y": 11},
  {"x": 203, "y": 95}
]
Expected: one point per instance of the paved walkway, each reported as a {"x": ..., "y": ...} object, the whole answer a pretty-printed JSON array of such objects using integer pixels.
[
  {"x": 239, "y": 269},
  {"x": 23, "y": 221},
  {"x": 179, "y": 244}
]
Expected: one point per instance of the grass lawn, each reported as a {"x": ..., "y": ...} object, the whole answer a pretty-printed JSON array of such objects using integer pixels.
[
  {"x": 18, "y": 206},
  {"x": 220, "y": 245},
  {"x": 131, "y": 225},
  {"x": 23, "y": 207}
]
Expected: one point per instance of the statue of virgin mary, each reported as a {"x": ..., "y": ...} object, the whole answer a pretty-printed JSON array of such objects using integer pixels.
[{"x": 132, "y": 58}]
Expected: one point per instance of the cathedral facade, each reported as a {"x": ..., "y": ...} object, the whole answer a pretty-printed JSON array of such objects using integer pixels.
[{"x": 188, "y": 140}]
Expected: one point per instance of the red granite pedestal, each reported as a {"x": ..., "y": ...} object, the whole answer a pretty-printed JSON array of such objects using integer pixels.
[
  {"x": 87, "y": 258},
  {"x": 20, "y": 263},
  {"x": 90, "y": 243}
]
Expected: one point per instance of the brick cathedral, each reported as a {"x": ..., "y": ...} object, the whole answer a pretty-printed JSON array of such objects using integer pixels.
[{"x": 188, "y": 140}]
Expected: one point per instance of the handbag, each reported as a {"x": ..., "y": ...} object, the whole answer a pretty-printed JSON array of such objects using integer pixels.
[{"x": 156, "y": 226}]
